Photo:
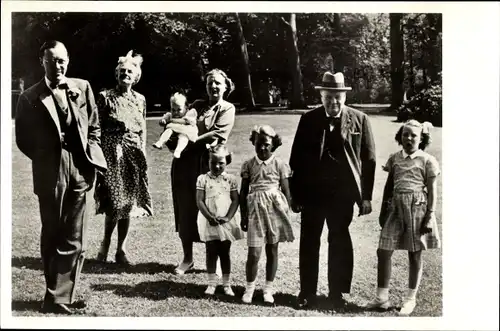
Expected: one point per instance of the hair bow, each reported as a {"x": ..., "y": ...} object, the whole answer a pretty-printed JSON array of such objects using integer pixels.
[
  {"x": 135, "y": 60},
  {"x": 426, "y": 126}
]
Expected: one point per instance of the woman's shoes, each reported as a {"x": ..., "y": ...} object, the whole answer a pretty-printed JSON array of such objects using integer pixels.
[
  {"x": 121, "y": 258},
  {"x": 101, "y": 257},
  {"x": 183, "y": 268}
]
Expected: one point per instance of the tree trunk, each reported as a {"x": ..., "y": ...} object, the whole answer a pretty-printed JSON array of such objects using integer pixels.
[
  {"x": 338, "y": 59},
  {"x": 412, "y": 72},
  {"x": 248, "y": 99},
  {"x": 397, "y": 60},
  {"x": 297, "y": 100}
]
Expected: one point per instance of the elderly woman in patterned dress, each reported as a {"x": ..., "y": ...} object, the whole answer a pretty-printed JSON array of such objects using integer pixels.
[{"x": 123, "y": 191}]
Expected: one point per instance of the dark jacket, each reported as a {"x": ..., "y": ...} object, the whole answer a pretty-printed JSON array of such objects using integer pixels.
[
  {"x": 308, "y": 146},
  {"x": 38, "y": 130}
]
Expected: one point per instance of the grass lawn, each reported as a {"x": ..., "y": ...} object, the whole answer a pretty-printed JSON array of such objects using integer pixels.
[{"x": 150, "y": 288}]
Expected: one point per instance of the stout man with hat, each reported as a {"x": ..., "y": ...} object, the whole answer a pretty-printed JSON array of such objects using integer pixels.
[{"x": 333, "y": 164}]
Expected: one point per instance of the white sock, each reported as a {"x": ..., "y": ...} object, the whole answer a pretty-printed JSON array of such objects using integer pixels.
[
  {"x": 251, "y": 286},
  {"x": 412, "y": 294},
  {"x": 212, "y": 279},
  {"x": 268, "y": 286},
  {"x": 383, "y": 293},
  {"x": 226, "y": 280}
]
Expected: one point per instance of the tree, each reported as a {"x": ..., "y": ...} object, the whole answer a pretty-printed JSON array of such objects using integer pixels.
[
  {"x": 338, "y": 63},
  {"x": 297, "y": 100},
  {"x": 397, "y": 60},
  {"x": 249, "y": 99}
]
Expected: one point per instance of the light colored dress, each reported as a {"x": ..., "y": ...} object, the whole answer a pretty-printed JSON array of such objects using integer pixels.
[
  {"x": 124, "y": 191},
  {"x": 190, "y": 129},
  {"x": 218, "y": 201},
  {"x": 269, "y": 219},
  {"x": 409, "y": 203}
]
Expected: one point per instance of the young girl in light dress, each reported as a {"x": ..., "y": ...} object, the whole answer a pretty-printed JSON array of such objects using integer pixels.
[
  {"x": 180, "y": 121},
  {"x": 218, "y": 221},
  {"x": 265, "y": 208},
  {"x": 410, "y": 221}
]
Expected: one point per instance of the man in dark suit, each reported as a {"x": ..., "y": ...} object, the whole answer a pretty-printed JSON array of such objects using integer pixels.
[
  {"x": 333, "y": 165},
  {"x": 57, "y": 127}
]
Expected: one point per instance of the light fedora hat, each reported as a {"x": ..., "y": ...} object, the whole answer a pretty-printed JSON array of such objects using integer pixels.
[{"x": 334, "y": 82}]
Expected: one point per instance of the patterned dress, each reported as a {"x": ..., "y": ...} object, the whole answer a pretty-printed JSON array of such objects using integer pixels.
[
  {"x": 408, "y": 205},
  {"x": 124, "y": 188},
  {"x": 268, "y": 211},
  {"x": 218, "y": 200}
]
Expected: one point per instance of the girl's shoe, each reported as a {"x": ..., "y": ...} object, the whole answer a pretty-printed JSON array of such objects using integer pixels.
[
  {"x": 157, "y": 146},
  {"x": 247, "y": 296},
  {"x": 121, "y": 258},
  {"x": 228, "y": 291},
  {"x": 210, "y": 290},
  {"x": 268, "y": 297},
  {"x": 183, "y": 268},
  {"x": 408, "y": 307},
  {"x": 379, "y": 304}
]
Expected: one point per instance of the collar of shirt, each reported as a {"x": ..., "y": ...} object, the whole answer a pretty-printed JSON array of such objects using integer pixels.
[
  {"x": 337, "y": 116},
  {"x": 266, "y": 162},
  {"x": 412, "y": 155},
  {"x": 49, "y": 83},
  {"x": 214, "y": 177}
]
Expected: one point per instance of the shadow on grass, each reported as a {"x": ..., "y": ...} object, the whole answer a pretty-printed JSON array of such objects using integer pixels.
[
  {"x": 30, "y": 305},
  {"x": 92, "y": 266},
  {"x": 164, "y": 289}
]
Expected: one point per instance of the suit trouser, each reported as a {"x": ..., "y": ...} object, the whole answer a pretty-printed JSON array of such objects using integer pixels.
[
  {"x": 338, "y": 212},
  {"x": 63, "y": 214}
]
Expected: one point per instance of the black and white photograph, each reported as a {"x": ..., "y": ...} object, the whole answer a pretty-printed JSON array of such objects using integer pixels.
[{"x": 269, "y": 160}]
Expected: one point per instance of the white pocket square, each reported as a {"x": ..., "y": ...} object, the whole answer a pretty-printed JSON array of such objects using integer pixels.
[{"x": 354, "y": 133}]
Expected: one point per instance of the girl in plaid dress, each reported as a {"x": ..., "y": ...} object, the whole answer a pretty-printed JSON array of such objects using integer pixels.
[
  {"x": 410, "y": 221},
  {"x": 218, "y": 220},
  {"x": 265, "y": 211}
]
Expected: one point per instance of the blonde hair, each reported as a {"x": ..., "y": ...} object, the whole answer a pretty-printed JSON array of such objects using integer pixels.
[
  {"x": 178, "y": 98},
  {"x": 135, "y": 62},
  {"x": 266, "y": 130},
  {"x": 229, "y": 82}
]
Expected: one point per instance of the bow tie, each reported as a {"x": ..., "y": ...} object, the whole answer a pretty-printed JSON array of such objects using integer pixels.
[
  {"x": 60, "y": 86},
  {"x": 334, "y": 121}
]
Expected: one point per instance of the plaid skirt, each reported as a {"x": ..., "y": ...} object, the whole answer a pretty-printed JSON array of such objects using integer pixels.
[
  {"x": 402, "y": 228},
  {"x": 268, "y": 218}
]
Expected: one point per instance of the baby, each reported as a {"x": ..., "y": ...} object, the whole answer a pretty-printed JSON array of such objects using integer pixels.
[{"x": 180, "y": 121}]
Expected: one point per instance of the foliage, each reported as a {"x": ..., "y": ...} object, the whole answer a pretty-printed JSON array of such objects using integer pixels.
[
  {"x": 426, "y": 105},
  {"x": 179, "y": 48}
]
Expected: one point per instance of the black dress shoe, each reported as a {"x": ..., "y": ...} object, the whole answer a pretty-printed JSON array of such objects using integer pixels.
[
  {"x": 305, "y": 302},
  {"x": 80, "y": 304},
  {"x": 56, "y": 308},
  {"x": 337, "y": 301}
]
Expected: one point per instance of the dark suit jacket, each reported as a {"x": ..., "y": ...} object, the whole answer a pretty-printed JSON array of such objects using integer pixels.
[
  {"x": 308, "y": 145},
  {"x": 38, "y": 131}
]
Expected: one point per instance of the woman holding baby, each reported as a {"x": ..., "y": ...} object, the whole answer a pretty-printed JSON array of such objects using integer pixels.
[{"x": 215, "y": 120}]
